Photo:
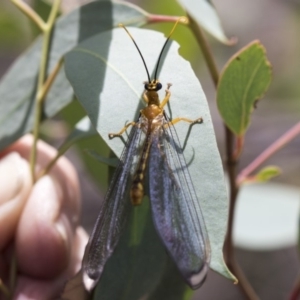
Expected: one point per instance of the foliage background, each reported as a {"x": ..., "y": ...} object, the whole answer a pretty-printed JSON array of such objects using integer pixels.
[{"x": 276, "y": 24}]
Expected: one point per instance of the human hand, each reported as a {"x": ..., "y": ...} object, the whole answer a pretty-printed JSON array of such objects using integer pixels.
[{"x": 39, "y": 223}]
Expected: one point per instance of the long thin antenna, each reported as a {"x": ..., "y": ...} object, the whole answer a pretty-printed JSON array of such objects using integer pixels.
[
  {"x": 184, "y": 20},
  {"x": 121, "y": 25}
]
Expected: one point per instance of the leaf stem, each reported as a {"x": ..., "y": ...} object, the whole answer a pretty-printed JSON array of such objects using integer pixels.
[
  {"x": 231, "y": 163},
  {"x": 49, "y": 81},
  {"x": 61, "y": 151},
  {"x": 266, "y": 154},
  {"x": 41, "y": 79},
  {"x": 163, "y": 18},
  {"x": 207, "y": 53},
  {"x": 30, "y": 13}
]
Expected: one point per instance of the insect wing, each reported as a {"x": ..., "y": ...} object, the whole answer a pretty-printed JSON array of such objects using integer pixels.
[
  {"x": 175, "y": 207},
  {"x": 113, "y": 214}
]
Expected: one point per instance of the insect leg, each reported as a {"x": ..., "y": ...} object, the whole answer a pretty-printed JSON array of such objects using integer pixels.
[
  {"x": 176, "y": 120},
  {"x": 112, "y": 135},
  {"x": 167, "y": 97},
  {"x": 145, "y": 97}
]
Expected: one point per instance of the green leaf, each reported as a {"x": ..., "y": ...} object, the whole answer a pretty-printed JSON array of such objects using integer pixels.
[
  {"x": 137, "y": 262},
  {"x": 171, "y": 285},
  {"x": 82, "y": 130},
  {"x": 18, "y": 86},
  {"x": 204, "y": 13},
  {"x": 110, "y": 89},
  {"x": 71, "y": 114},
  {"x": 243, "y": 81},
  {"x": 267, "y": 173},
  {"x": 109, "y": 161}
]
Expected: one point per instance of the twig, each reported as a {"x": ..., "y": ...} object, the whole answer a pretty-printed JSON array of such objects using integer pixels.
[
  {"x": 207, "y": 53},
  {"x": 41, "y": 79},
  {"x": 48, "y": 83},
  {"x": 61, "y": 151},
  {"x": 163, "y": 18},
  {"x": 30, "y": 13},
  {"x": 231, "y": 163},
  {"x": 266, "y": 154}
]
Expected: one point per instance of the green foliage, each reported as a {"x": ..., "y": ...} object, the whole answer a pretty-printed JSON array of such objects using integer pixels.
[
  {"x": 109, "y": 161},
  {"x": 243, "y": 81},
  {"x": 106, "y": 74},
  {"x": 10, "y": 30},
  {"x": 136, "y": 266},
  {"x": 112, "y": 102},
  {"x": 267, "y": 174},
  {"x": 204, "y": 13},
  {"x": 18, "y": 86}
]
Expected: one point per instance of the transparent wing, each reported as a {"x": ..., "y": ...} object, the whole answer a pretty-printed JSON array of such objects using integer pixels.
[
  {"x": 114, "y": 212},
  {"x": 175, "y": 207}
]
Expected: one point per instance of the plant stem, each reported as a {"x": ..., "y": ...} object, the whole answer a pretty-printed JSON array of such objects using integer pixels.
[
  {"x": 162, "y": 18},
  {"x": 49, "y": 81},
  {"x": 30, "y": 13},
  {"x": 266, "y": 154},
  {"x": 231, "y": 163},
  {"x": 41, "y": 79},
  {"x": 207, "y": 53},
  {"x": 59, "y": 153}
]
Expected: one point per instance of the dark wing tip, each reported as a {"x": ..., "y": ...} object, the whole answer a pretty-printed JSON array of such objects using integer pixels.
[
  {"x": 196, "y": 280},
  {"x": 88, "y": 282}
]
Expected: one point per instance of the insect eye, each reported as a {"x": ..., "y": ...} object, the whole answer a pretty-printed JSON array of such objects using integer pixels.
[
  {"x": 158, "y": 86},
  {"x": 146, "y": 86}
]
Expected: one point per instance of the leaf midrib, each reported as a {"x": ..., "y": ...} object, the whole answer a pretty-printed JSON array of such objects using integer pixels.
[{"x": 251, "y": 80}]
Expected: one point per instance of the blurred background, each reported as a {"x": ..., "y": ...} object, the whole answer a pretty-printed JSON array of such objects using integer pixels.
[{"x": 272, "y": 270}]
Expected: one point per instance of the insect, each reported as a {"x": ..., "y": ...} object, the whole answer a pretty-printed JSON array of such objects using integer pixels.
[{"x": 153, "y": 147}]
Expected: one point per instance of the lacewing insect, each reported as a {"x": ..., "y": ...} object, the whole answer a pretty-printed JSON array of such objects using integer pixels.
[{"x": 153, "y": 146}]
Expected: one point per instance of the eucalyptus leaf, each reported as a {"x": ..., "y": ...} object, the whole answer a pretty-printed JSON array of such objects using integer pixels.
[
  {"x": 267, "y": 173},
  {"x": 82, "y": 130},
  {"x": 71, "y": 114},
  {"x": 111, "y": 161},
  {"x": 18, "y": 86},
  {"x": 110, "y": 90},
  {"x": 204, "y": 13},
  {"x": 243, "y": 81},
  {"x": 171, "y": 285},
  {"x": 139, "y": 259}
]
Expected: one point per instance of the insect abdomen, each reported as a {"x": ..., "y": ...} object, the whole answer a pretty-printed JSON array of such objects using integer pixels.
[{"x": 137, "y": 188}]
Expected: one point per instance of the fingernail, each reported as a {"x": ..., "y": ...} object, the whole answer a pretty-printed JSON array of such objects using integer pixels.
[
  {"x": 11, "y": 176},
  {"x": 52, "y": 191}
]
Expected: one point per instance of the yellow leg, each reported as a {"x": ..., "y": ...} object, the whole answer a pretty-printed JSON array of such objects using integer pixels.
[
  {"x": 174, "y": 121},
  {"x": 112, "y": 135},
  {"x": 167, "y": 97},
  {"x": 145, "y": 97}
]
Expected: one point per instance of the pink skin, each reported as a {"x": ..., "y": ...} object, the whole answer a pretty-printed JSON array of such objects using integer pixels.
[{"x": 40, "y": 222}]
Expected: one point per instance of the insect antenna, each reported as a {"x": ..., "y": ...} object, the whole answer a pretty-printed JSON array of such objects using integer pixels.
[
  {"x": 184, "y": 20},
  {"x": 121, "y": 25}
]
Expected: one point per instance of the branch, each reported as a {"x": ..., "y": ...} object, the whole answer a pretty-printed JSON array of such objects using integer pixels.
[
  {"x": 272, "y": 149},
  {"x": 41, "y": 79},
  {"x": 231, "y": 163},
  {"x": 30, "y": 13},
  {"x": 163, "y": 18}
]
